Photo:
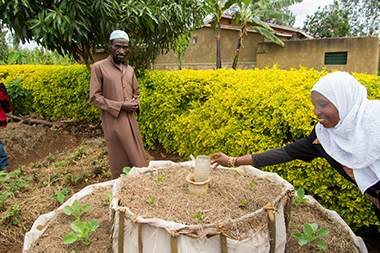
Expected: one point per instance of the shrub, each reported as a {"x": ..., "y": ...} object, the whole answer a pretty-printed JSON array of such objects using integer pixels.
[{"x": 249, "y": 111}]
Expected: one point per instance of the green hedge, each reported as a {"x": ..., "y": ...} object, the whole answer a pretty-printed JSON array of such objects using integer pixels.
[
  {"x": 204, "y": 111},
  {"x": 248, "y": 111},
  {"x": 56, "y": 91}
]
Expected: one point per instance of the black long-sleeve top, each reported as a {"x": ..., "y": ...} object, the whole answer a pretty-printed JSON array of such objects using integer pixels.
[{"x": 302, "y": 149}]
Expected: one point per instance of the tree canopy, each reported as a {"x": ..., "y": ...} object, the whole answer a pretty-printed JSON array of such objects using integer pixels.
[
  {"x": 344, "y": 18},
  {"x": 79, "y": 27}
]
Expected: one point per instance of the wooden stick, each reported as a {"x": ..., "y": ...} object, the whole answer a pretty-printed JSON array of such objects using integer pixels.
[
  {"x": 174, "y": 244},
  {"x": 223, "y": 243},
  {"x": 120, "y": 239},
  {"x": 271, "y": 225},
  {"x": 39, "y": 121},
  {"x": 140, "y": 238}
]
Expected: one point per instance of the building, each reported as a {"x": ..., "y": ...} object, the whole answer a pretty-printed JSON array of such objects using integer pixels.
[{"x": 356, "y": 54}]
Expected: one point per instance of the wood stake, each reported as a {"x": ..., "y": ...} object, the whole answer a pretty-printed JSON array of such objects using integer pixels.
[
  {"x": 223, "y": 243},
  {"x": 271, "y": 225},
  {"x": 120, "y": 239},
  {"x": 173, "y": 244},
  {"x": 140, "y": 238}
]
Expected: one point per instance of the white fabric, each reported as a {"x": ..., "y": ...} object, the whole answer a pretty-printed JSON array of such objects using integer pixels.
[
  {"x": 118, "y": 34},
  {"x": 155, "y": 236},
  {"x": 355, "y": 140},
  {"x": 42, "y": 221}
]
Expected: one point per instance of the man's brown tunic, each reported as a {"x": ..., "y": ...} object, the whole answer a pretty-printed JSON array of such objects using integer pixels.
[{"x": 110, "y": 86}]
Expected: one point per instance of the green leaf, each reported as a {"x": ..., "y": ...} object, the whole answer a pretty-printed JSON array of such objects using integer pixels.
[
  {"x": 85, "y": 208},
  {"x": 309, "y": 228},
  {"x": 323, "y": 232},
  {"x": 94, "y": 224},
  {"x": 68, "y": 210},
  {"x": 70, "y": 238},
  {"x": 321, "y": 244},
  {"x": 297, "y": 235},
  {"x": 77, "y": 226}
]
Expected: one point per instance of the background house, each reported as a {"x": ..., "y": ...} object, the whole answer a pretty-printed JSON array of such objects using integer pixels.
[
  {"x": 201, "y": 53},
  {"x": 359, "y": 54}
]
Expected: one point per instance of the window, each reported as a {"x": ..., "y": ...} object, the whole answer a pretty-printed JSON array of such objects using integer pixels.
[
  {"x": 336, "y": 58},
  {"x": 195, "y": 40}
]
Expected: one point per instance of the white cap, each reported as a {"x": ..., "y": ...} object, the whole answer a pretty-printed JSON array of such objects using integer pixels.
[{"x": 119, "y": 34}]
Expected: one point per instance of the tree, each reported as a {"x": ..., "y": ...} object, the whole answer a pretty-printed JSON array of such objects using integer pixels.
[
  {"x": 344, "y": 18},
  {"x": 331, "y": 21},
  {"x": 249, "y": 14},
  {"x": 216, "y": 8},
  {"x": 280, "y": 21},
  {"x": 181, "y": 46},
  {"x": 79, "y": 27},
  {"x": 3, "y": 45}
]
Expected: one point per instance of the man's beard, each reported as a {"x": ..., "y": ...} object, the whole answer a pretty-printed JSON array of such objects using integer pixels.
[{"x": 118, "y": 60}]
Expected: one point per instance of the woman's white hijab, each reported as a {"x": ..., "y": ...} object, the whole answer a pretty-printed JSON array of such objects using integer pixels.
[{"x": 355, "y": 140}]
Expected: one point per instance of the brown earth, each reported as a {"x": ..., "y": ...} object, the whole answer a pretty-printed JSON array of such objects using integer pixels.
[{"x": 53, "y": 159}]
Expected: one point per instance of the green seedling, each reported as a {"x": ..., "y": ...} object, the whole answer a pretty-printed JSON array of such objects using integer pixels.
[
  {"x": 126, "y": 170},
  {"x": 109, "y": 196},
  {"x": 107, "y": 173},
  {"x": 242, "y": 203},
  {"x": 76, "y": 210},
  {"x": 152, "y": 200},
  {"x": 300, "y": 197},
  {"x": 50, "y": 157},
  {"x": 3, "y": 199},
  {"x": 198, "y": 216},
  {"x": 13, "y": 215},
  {"x": 60, "y": 195},
  {"x": 250, "y": 185},
  {"x": 160, "y": 178},
  {"x": 307, "y": 236},
  {"x": 14, "y": 181},
  {"x": 82, "y": 231}
]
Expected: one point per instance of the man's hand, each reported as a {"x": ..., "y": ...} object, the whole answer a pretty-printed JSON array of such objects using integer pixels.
[{"x": 130, "y": 106}]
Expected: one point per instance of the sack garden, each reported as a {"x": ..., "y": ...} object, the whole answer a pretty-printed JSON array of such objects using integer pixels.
[{"x": 204, "y": 111}]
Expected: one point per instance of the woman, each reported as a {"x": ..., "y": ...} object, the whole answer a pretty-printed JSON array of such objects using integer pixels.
[{"x": 347, "y": 136}]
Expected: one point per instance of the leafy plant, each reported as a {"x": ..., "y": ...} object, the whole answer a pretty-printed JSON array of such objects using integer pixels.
[
  {"x": 242, "y": 203},
  {"x": 76, "y": 210},
  {"x": 307, "y": 236},
  {"x": 60, "y": 195},
  {"x": 22, "y": 98},
  {"x": 160, "y": 178},
  {"x": 250, "y": 185},
  {"x": 109, "y": 196},
  {"x": 82, "y": 231},
  {"x": 3, "y": 199},
  {"x": 51, "y": 179},
  {"x": 13, "y": 215},
  {"x": 300, "y": 197},
  {"x": 15, "y": 180},
  {"x": 107, "y": 173},
  {"x": 126, "y": 170},
  {"x": 198, "y": 216},
  {"x": 152, "y": 200}
]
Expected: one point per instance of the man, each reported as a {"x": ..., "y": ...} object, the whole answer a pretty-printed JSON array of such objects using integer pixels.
[{"x": 114, "y": 89}]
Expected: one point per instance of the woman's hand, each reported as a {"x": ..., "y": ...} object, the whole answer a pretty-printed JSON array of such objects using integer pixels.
[{"x": 218, "y": 159}]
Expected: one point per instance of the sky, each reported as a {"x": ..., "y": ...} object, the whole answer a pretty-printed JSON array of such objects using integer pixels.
[{"x": 307, "y": 7}]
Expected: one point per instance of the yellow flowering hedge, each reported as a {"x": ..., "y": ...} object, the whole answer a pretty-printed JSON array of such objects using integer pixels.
[
  {"x": 57, "y": 91},
  {"x": 248, "y": 111}
]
